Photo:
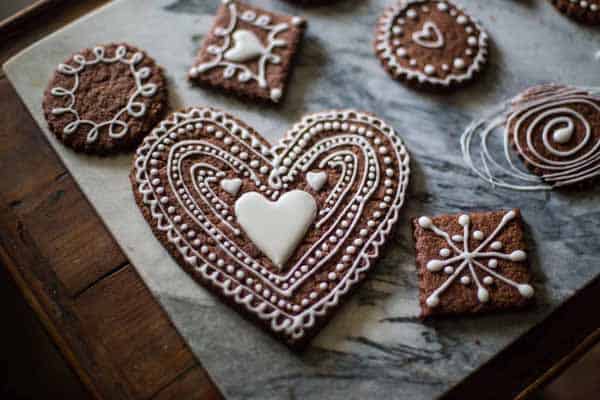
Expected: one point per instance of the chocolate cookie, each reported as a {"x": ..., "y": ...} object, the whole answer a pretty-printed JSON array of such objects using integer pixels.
[
  {"x": 471, "y": 263},
  {"x": 587, "y": 11},
  {"x": 281, "y": 233},
  {"x": 556, "y": 131},
  {"x": 105, "y": 99},
  {"x": 248, "y": 52},
  {"x": 430, "y": 42}
]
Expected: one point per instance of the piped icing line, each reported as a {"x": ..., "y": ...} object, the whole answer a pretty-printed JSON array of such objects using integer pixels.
[
  {"x": 240, "y": 46},
  {"x": 469, "y": 260},
  {"x": 385, "y": 37},
  {"x": 264, "y": 293},
  {"x": 551, "y": 105},
  {"x": 116, "y": 127}
]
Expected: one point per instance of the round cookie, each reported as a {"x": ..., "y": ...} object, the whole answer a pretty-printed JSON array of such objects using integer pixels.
[
  {"x": 105, "y": 99},
  {"x": 587, "y": 11},
  {"x": 430, "y": 43},
  {"x": 555, "y": 129}
]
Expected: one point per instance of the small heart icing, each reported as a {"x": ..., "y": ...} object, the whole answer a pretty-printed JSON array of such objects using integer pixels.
[
  {"x": 430, "y": 36},
  {"x": 246, "y": 47},
  {"x": 276, "y": 227},
  {"x": 316, "y": 180},
  {"x": 231, "y": 186}
]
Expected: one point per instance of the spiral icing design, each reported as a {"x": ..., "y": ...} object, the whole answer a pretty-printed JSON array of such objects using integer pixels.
[{"x": 556, "y": 131}]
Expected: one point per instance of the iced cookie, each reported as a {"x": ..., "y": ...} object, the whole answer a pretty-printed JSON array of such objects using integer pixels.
[
  {"x": 248, "y": 51},
  {"x": 430, "y": 43},
  {"x": 282, "y": 233},
  {"x": 105, "y": 99},
  {"x": 471, "y": 263},
  {"x": 587, "y": 11}
]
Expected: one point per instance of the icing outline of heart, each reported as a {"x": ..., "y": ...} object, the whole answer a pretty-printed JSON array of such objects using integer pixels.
[
  {"x": 170, "y": 150},
  {"x": 423, "y": 37}
]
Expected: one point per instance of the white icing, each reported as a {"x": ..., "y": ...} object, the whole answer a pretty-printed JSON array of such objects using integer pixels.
[
  {"x": 246, "y": 47},
  {"x": 316, "y": 180},
  {"x": 231, "y": 186},
  {"x": 116, "y": 127},
  {"x": 217, "y": 252},
  {"x": 276, "y": 228},
  {"x": 385, "y": 46},
  {"x": 429, "y": 36},
  {"x": 469, "y": 260},
  {"x": 240, "y": 46},
  {"x": 550, "y": 116}
]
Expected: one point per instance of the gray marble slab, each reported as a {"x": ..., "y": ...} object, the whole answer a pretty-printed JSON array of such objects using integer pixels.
[{"x": 375, "y": 347}]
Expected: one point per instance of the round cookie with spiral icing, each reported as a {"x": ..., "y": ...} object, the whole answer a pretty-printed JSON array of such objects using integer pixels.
[
  {"x": 105, "y": 99},
  {"x": 587, "y": 11},
  {"x": 555, "y": 129},
  {"x": 430, "y": 43}
]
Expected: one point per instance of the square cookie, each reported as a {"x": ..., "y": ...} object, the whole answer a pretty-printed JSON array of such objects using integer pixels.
[
  {"x": 248, "y": 51},
  {"x": 471, "y": 263}
]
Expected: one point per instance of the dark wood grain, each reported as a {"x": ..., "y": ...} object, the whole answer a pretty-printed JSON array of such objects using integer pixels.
[{"x": 91, "y": 301}]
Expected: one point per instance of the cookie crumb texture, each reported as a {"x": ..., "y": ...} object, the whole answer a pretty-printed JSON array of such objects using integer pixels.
[
  {"x": 281, "y": 233},
  {"x": 471, "y": 263},
  {"x": 105, "y": 99},
  {"x": 587, "y": 11},
  {"x": 430, "y": 43},
  {"x": 248, "y": 52}
]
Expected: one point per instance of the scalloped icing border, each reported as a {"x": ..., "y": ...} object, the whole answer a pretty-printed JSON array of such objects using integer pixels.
[
  {"x": 370, "y": 251},
  {"x": 384, "y": 50}
]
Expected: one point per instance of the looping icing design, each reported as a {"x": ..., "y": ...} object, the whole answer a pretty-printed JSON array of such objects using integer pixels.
[
  {"x": 116, "y": 127},
  {"x": 550, "y": 114},
  {"x": 240, "y": 45}
]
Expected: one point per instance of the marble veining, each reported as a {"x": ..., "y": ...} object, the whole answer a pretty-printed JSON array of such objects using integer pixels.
[{"x": 375, "y": 346}]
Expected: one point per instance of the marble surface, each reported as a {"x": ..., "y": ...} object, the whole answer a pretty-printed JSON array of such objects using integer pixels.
[{"x": 375, "y": 347}]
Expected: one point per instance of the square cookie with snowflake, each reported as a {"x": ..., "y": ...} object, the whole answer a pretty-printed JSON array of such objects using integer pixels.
[
  {"x": 248, "y": 51},
  {"x": 471, "y": 263}
]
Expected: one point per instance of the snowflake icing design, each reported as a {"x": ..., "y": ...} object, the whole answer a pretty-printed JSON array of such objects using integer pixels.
[{"x": 468, "y": 259}]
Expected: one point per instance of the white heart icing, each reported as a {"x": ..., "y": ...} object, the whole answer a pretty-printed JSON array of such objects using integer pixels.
[
  {"x": 316, "y": 180},
  {"x": 424, "y": 36},
  {"x": 276, "y": 227},
  {"x": 246, "y": 47},
  {"x": 231, "y": 186}
]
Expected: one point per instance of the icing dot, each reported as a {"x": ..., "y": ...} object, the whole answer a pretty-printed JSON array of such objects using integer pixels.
[
  {"x": 332, "y": 276},
  {"x": 518, "y": 255},
  {"x": 478, "y": 235},
  {"x": 493, "y": 263},
  {"x": 411, "y": 14},
  {"x": 457, "y": 238},
  {"x": 472, "y": 41},
  {"x": 488, "y": 280},
  {"x": 483, "y": 295},
  {"x": 432, "y": 301},
  {"x": 463, "y": 220},
  {"x": 459, "y": 63},
  {"x": 442, "y": 6},
  {"x": 448, "y": 269},
  {"x": 425, "y": 222},
  {"x": 461, "y": 19},
  {"x": 497, "y": 245},
  {"x": 465, "y": 280},
  {"x": 435, "y": 265},
  {"x": 323, "y": 285},
  {"x": 444, "y": 252},
  {"x": 525, "y": 290},
  {"x": 429, "y": 69}
]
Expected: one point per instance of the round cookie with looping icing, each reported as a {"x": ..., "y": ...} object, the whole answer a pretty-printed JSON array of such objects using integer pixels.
[
  {"x": 281, "y": 232},
  {"x": 587, "y": 11},
  {"x": 430, "y": 42},
  {"x": 554, "y": 129},
  {"x": 105, "y": 99}
]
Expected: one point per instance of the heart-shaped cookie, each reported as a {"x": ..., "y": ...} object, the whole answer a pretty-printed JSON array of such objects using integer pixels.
[{"x": 281, "y": 249}]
